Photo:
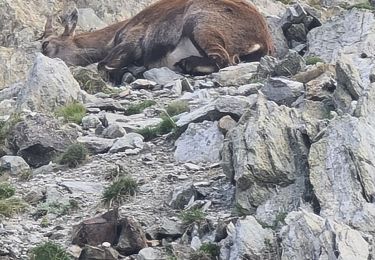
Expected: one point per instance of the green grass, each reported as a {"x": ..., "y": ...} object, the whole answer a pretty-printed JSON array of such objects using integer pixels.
[
  {"x": 119, "y": 190},
  {"x": 6, "y": 190},
  {"x": 177, "y": 107},
  {"x": 312, "y": 60},
  {"x": 6, "y": 127},
  {"x": 210, "y": 249},
  {"x": 11, "y": 206},
  {"x": 139, "y": 107},
  {"x": 166, "y": 126},
  {"x": 58, "y": 208},
  {"x": 75, "y": 155},
  {"x": 49, "y": 251},
  {"x": 191, "y": 216},
  {"x": 72, "y": 112}
]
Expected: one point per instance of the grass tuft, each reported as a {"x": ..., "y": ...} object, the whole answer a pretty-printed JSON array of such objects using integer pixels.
[
  {"x": 211, "y": 249},
  {"x": 58, "y": 208},
  {"x": 191, "y": 216},
  {"x": 177, "y": 107},
  {"x": 120, "y": 190},
  {"x": 11, "y": 206},
  {"x": 138, "y": 108},
  {"x": 166, "y": 126},
  {"x": 312, "y": 60},
  {"x": 74, "y": 155},
  {"x": 6, "y": 127},
  {"x": 49, "y": 251},
  {"x": 6, "y": 190},
  {"x": 72, "y": 112}
]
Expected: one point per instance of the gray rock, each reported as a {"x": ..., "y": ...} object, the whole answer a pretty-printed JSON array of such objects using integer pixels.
[
  {"x": 49, "y": 85},
  {"x": 296, "y": 33},
  {"x": 106, "y": 104},
  {"x": 351, "y": 33},
  {"x": 161, "y": 76},
  {"x": 224, "y": 105},
  {"x": 11, "y": 92},
  {"x": 247, "y": 239},
  {"x": 132, "y": 237},
  {"x": 181, "y": 196},
  {"x": 113, "y": 131},
  {"x": 79, "y": 187},
  {"x": 97, "y": 253},
  {"x": 150, "y": 254},
  {"x": 249, "y": 89},
  {"x": 372, "y": 76},
  {"x": 307, "y": 235},
  {"x": 226, "y": 123},
  {"x": 282, "y": 90},
  {"x": 95, "y": 144},
  {"x": 132, "y": 123},
  {"x": 35, "y": 195},
  {"x": 169, "y": 228},
  {"x": 238, "y": 75},
  {"x": 280, "y": 43},
  {"x": 143, "y": 84},
  {"x": 38, "y": 138},
  {"x": 201, "y": 142},
  {"x": 90, "y": 121},
  {"x": 128, "y": 142},
  {"x": 15, "y": 165},
  {"x": 88, "y": 20}
]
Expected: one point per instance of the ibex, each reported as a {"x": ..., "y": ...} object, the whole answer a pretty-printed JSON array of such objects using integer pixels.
[{"x": 190, "y": 36}]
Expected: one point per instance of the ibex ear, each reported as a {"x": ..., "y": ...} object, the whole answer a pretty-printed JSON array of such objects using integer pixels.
[
  {"x": 48, "y": 28},
  {"x": 71, "y": 23}
]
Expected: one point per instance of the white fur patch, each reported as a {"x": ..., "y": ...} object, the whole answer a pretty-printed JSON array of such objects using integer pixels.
[
  {"x": 205, "y": 69},
  {"x": 254, "y": 48}
]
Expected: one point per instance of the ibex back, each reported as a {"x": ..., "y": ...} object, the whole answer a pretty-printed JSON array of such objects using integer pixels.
[{"x": 191, "y": 36}]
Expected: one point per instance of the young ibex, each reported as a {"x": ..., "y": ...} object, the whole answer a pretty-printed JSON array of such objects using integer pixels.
[{"x": 191, "y": 36}]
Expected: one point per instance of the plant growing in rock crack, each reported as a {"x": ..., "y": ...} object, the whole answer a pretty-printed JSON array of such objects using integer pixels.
[
  {"x": 312, "y": 60},
  {"x": 49, "y": 251},
  {"x": 210, "y": 249},
  {"x": 191, "y": 216},
  {"x": 11, "y": 206},
  {"x": 55, "y": 207},
  {"x": 75, "y": 155},
  {"x": 166, "y": 126},
  {"x": 6, "y": 190},
  {"x": 72, "y": 112},
  {"x": 177, "y": 107},
  {"x": 139, "y": 107},
  {"x": 119, "y": 190}
]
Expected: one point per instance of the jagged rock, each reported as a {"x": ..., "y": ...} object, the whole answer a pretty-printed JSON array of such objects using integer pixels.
[
  {"x": 132, "y": 237},
  {"x": 88, "y": 20},
  {"x": 106, "y": 104},
  {"x": 169, "y": 228},
  {"x": 95, "y": 144},
  {"x": 247, "y": 239},
  {"x": 34, "y": 196},
  {"x": 143, "y": 84},
  {"x": 113, "y": 131},
  {"x": 372, "y": 76},
  {"x": 226, "y": 123},
  {"x": 351, "y": 34},
  {"x": 249, "y": 89},
  {"x": 280, "y": 43},
  {"x": 134, "y": 122},
  {"x": 38, "y": 138},
  {"x": 201, "y": 142},
  {"x": 161, "y": 76},
  {"x": 10, "y": 92},
  {"x": 96, "y": 253},
  {"x": 128, "y": 142},
  {"x": 314, "y": 72},
  {"x": 282, "y": 90},
  {"x": 90, "y": 121},
  {"x": 308, "y": 236},
  {"x": 150, "y": 254},
  {"x": 267, "y": 147},
  {"x": 97, "y": 230},
  {"x": 238, "y": 75},
  {"x": 322, "y": 87},
  {"x": 341, "y": 166},
  {"x": 14, "y": 165},
  {"x": 296, "y": 34},
  {"x": 49, "y": 85},
  {"x": 224, "y": 105},
  {"x": 181, "y": 196}
]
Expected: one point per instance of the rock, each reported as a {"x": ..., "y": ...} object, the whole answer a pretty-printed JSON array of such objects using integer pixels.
[
  {"x": 143, "y": 84},
  {"x": 96, "y": 253},
  {"x": 90, "y": 121},
  {"x": 129, "y": 141},
  {"x": 201, "y": 142},
  {"x": 161, "y": 76},
  {"x": 132, "y": 237},
  {"x": 106, "y": 105},
  {"x": 340, "y": 36},
  {"x": 113, "y": 131},
  {"x": 267, "y": 147},
  {"x": 134, "y": 122},
  {"x": 88, "y": 21},
  {"x": 280, "y": 43},
  {"x": 226, "y": 123},
  {"x": 238, "y": 75},
  {"x": 181, "y": 196},
  {"x": 321, "y": 88},
  {"x": 95, "y": 144},
  {"x": 296, "y": 34},
  {"x": 249, "y": 89},
  {"x": 150, "y": 254},
  {"x": 14, "y": 165},
  {"x": 314, "y": 72},
  {"x": 34, "y": 196},
  {"x": 169, "y": 228},
  {"x": 247, "y": 239},
  {"x": 224, "y": 105},
  {"x": 97, "y": 230},
  {"x": 39, "y": 138},
  {"x": 283, "y": 91},
  {"x": 308, "y": 235},
  {"x": 10, "y": 92},
  {"x": 372, "y": 76},
  {"x": 49, "y": 85},
  {"x": 78, "y": 187}
]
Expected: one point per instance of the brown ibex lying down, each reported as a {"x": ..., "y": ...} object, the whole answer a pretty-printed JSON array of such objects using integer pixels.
[{"x": 190, "y": 36}]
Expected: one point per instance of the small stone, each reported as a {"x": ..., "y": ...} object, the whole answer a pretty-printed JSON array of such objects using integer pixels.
[
  {"x": 15, "y": 165},
  {"x": 192, "y": 166},
  {"x": 113, "y": 131},
  {"x": 226, "y": 123},
  {"x": 106, "y": 244},
  {"x": 90, "y": 121},
  {"x": 143, "y": 84}
]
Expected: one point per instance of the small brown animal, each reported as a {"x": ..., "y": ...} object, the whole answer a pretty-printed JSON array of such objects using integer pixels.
[
  {"x": 81, "y": 49},
  {"x": 191, "y": 36}
]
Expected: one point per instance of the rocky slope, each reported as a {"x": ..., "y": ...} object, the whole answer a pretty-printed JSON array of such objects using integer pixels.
[{"x": 264, "y": 160}]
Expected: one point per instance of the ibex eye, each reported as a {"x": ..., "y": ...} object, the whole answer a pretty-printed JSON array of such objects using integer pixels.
[{"x": 45, "y": 44}]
